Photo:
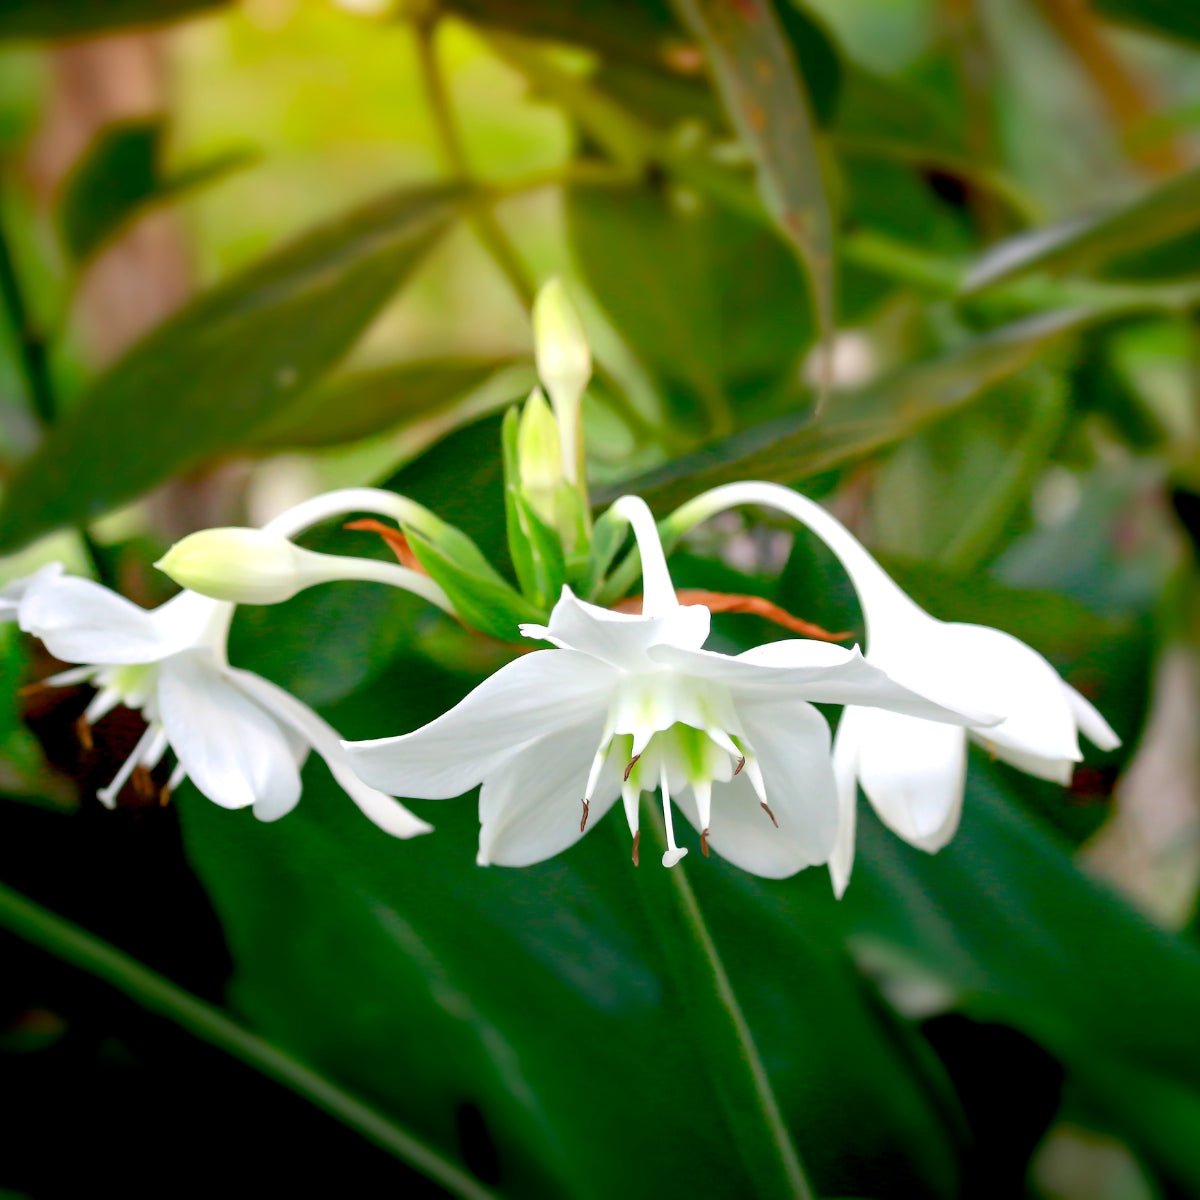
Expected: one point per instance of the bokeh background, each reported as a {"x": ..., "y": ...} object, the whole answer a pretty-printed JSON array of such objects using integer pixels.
[{"x": 254, "y": 250}]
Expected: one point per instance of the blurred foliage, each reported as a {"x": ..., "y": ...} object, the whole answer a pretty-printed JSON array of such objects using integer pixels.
[{"x": 977, "y": 223}]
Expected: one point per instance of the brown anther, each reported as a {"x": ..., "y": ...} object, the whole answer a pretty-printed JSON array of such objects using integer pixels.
[
  {"x": 583, "y": 819},
  {"x": 32, "y": 689},
  {"x": 164, "y": 796},
  {"x": 629, "y": 767},
  {"x": 741, "y": 763},
  {"x": 143, "y": 784},
  {"x": 83, "y": 731},
  {"x": 704, "y": 842},
  {"x": 767, "y": 809},
  {"x": 637, "y": 837}
]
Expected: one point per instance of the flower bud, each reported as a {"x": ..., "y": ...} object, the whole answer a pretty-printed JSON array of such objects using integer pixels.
[
  {"x": 246, "y": 566},
  {"x": 564, "y": 364},
  {"x": 539, "y": 457}
]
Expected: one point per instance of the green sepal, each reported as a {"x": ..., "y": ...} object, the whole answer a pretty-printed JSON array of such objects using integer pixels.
[
  {"x": 608, "y": 536},
  {"x": 482, "y": 597}
]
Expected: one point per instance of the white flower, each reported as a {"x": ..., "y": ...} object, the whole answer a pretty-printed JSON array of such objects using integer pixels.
[
  {"x": 238, "y": 737},
  {"x": 627, "y": 704},
  {"x": 913, "y": 770}
]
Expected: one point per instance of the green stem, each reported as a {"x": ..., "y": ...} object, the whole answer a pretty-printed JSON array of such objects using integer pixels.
[
  {"x": 726, "y": 1042},
  {"x": 44, "y": 929},
  {"x": 35, "y": 367},
  {"x": 483, "y": 219}
]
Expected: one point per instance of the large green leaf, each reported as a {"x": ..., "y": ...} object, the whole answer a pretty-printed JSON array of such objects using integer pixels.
[
  {"x": 201, "y": 382},
  {"x": 1165, "y": 213},
  {"x": 859, "y": 423},
  {"x": 1175, "y": 18},
  {"x": 120, "y": 175},
  {"x": 755, "y": 72},
  {"x": 72, "y": 18}
]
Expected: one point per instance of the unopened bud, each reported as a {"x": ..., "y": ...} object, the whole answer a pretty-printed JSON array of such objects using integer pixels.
[
  {"x": 564, "y": 365},
  {"x": 246, "y": 566},
  {"x": 539, "y": 456}
]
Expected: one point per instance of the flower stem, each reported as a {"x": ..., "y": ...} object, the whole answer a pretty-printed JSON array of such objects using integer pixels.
[
  {"x": 483, "y": 219},
  {"x": 738, "y": 1075},
  {"x": 44, "y": 929},
  {"x": 35, "y": 367}
]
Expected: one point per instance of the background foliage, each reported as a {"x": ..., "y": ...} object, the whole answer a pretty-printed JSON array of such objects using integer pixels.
[{"x": 251, "y": 250}]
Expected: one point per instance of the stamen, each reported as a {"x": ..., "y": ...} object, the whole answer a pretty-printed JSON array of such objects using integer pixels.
[
  {"x": 583, "y": 819},
  {"x": 637, "y": 837},
  {"x": 176, "y": 778},
  {"x": 673, "y": 853},
  {"x": 704, "y": 842},
  {"x": 83, "y": 731},
  {"x": 767, "y": 809},
  {"x": 741, "y": 763},
  {"x": 702, "y": 790},
  {"x": 143, "y": 785},
  {"x": 630, "y": 797},
  {"x": 630, "y": 765},
  {"x": 108, "y": 795},
  {"x": 101, "y": 704}
]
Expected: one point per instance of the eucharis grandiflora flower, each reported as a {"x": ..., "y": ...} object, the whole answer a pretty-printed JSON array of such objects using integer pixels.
[
  {"x": 238, "y": 737},
  {"x": 913, "y": 770},
  {"x": 625, "y": 704}
]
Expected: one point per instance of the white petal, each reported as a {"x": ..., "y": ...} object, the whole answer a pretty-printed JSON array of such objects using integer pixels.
[
  {"x": 11, "y": 594},
  {"x": 845, "y": 774},
  {"x": 531, "y": 807},
  {"x": 1093, "y": 726},
  {"x": 620, "y": 638},
  {"x": 529, "y": 698},
  {"x": 814, "y": 671},
  {"x": 231, "y": 749},
  {"x": 976, "y": 666},
  {"x": 1056, "y": 770},
  {"x": 913, "y": 773},
  {"x": 390, "y": 815},
  {"x": 80, "y": 621},
  {"x": 791, "y": 742}
]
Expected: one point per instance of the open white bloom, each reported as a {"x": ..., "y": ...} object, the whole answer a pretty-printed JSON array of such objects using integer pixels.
[
  {"x": 626, "y": 704},
  {"x": 240, "y": 738},
  {"x": 913, "y": 770}
]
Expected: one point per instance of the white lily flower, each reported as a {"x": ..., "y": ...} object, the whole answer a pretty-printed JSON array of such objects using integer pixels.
[
  {"x": 240, "y": 738},
  {"x": 626, "y": 704},
  {"x": 912, "y": 770}
]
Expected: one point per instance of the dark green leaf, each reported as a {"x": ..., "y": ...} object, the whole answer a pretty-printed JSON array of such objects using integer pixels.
[
  {"x": 198, "y": 384},
  {"x": 121, "y": 175},
  {"x": 1167, "y": 212},
  {"x": 1175, "y": 18},
  {"x": 768, "y": 104},
  {"x": 72, "y": 18},
  {"x": 860, "y": 423}
]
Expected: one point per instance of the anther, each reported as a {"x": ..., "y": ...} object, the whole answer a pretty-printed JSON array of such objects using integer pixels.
[
  {"x": 637, "y": 837},
  {"x": 143, "y": 785},
  {"x": 704, "y": 842},
  {"x": 767, "y": 809},
  {"x": 583, "y": 819},
  {"x": 631, "y": 764},
  {"x": 164, "y": 796},
  {"x": 741, "y": 763},
  {"x": 83, "y": 731}
]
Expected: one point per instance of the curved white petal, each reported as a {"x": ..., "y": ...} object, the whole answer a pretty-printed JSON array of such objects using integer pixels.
[
  {"x": 1093, "y": 726},
  {"x": 11, "y": 594},
  {"x": 390, "y": 815},
  {"x": 658, "y": 592},
  {"x": 790, "y": 740},
  {"x": 845, "y": 774},
  {"x": 231, "y": 749},
  {"x": 976, "y": 666},
  {"x": 531, "y": 807},
  {"x": 621, "y": 639},
  {"x": 1056, "y": 770},
  {"x": 83, "y": 622},
  {"x": 913, "y": 773},
  {"x": 529, "y": 698},
  {"x": 814, "y": 671}
]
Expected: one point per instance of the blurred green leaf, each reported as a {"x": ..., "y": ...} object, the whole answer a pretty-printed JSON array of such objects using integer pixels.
[
  {"x": 860, "y": 423},
  {"x": 72, "y": 18},
  {"x": 703, "y": 295},
  {"x": 360, "y": 404},
  {"x": 119, "y": 176},
  {"x": 199, "y": 383},
  {"x": 1175, "y": 18},
  {"x": 1166, "y": 212},
  {"x": 755, "y": 72}
]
